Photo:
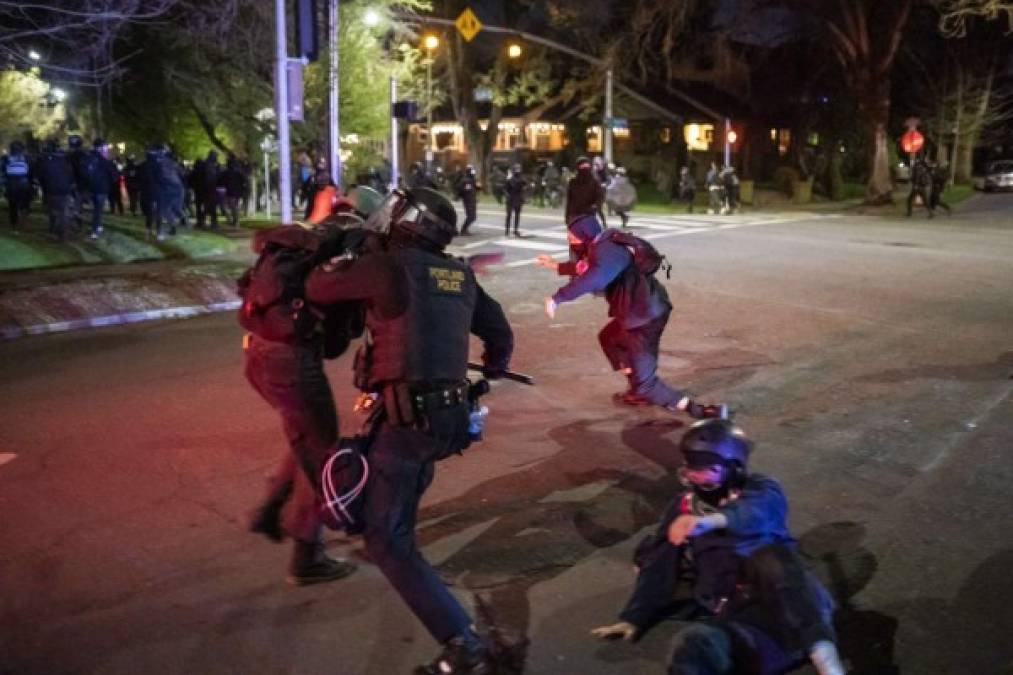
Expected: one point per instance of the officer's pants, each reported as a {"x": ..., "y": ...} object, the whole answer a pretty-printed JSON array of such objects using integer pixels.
[
  {"x": 470, "y": 212},
  {"x": 402, "y": 463},
  {"x": 292, "y": 381},
  {"x": 513, "y": 209},
  {"x": 19, "y": 197},
  {"x": 58, "y": 207},
  {"x": 98, "y": 205},
  {"x": 637, "y": 349}
]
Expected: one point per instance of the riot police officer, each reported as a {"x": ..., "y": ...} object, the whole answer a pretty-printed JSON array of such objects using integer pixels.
[
  {"x": 467, "y": 191},
  {"x": 421, "y": 306},
  {"x": 284, "y": 363},
  {"x": 18, "y": 183}
]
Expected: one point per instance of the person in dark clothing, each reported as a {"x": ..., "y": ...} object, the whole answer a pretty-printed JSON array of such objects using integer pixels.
[
  {"x": 418, "y": 177},
  {"x": 101, "y": 174},
  {"x": 584, "y": 195},
  {"x": 206, "y": 190},
  {"x": 233, "y": 180},
  {"x": 132, "y": 178},
  {"x": 730, "y": 182},
  {"x": 56, "y": 177},
  {"x": 116, "y": 190},
  {"x": 753, "y": 606},
  {"x": 149, "y": 179},
  {"x": 18, "y": 183},
  {"x": 715, "y": 189},
  {"x": 77, "y": 156},
  {"x": 421, "y": 306},
  {"x": 513, "y": 190},
  {"x": 938, "y": 180},
  {"x": 171, "y": 194},
  {"x": 921, "y": 187},
  {"x": 639, "y": 308},
  {"x": 467, "y": 191},
  {"x": 321, "y": 179},
  {"x": 285, "y": 354},
  {"x": 687, "y": 188}
]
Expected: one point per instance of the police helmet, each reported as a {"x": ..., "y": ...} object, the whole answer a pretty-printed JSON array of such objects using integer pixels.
[
  {"x": 364, "y": 199},
  {"x": 51, "y": 145},
  {"x": 99, "y": 143},
  {"x": 74, "y": 141},
  {"x": 716, "y": 441},
  {"x": 420, "y": 212}
]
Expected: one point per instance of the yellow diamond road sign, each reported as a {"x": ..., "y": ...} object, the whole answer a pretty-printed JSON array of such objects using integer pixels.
[{"x": 468, "y": 24}]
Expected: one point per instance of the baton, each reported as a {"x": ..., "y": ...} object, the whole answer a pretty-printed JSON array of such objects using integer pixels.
[{"x": 508, "y": 374}]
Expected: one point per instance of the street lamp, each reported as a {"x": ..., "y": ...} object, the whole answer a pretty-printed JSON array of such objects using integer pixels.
[
  {"x": 431, "y": 42},
  {"x": 514, "y": 51},
  {"x": 59, "y": 94},
  {"x": 371, "y": 17},
  {"x": 34, "y": 55}
]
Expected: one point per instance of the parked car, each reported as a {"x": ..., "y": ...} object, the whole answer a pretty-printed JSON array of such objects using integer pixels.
[{"x": 998, "y": 176}]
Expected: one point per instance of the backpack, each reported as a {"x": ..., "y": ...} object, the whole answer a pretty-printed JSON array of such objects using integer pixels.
[
  {"x": 273, "y": 306},
  {"x": 272, "y": 290},
  {"x": 646, "y": 259}
]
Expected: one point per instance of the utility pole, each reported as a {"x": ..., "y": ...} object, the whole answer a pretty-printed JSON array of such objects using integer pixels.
[
  {"x": 394, "y": 177},
  {"x": 728, "y": 142},
  {"x": 281, "y": 114},
  {"x": 335, "y": 138},
  {"x": 606, "y": 128}
]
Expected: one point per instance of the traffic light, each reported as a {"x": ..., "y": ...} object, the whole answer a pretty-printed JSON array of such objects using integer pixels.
[{"x": 306, "y": 29}]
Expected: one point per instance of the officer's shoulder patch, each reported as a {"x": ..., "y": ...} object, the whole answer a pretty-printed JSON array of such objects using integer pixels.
[{"x": 446, "y": 280}]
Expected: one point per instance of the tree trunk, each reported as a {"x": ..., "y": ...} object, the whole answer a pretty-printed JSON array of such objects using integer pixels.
[
  {"x": 874, "y": 104},
  {"x": 974, "y": 126},
  {"x": 958, "y": 123}
]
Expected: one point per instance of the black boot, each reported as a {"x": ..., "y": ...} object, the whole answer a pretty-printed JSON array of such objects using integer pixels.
[
  {"x": 462, "y": 654},
  {"x": 310, "y": 565},
  {"x": 267, "y": 521}
]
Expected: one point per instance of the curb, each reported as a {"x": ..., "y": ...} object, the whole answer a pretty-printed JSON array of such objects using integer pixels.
[{"x": 183, "y": 312}]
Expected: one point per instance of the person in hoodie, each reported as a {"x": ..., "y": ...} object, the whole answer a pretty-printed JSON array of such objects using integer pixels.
[{"x": 639, "y": 307}]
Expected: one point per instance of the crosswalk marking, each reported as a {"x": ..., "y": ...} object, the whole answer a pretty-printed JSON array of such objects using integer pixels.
[{"x": 536, "y": 245}]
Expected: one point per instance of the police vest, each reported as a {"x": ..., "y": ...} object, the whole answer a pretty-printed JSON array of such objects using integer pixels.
[
  {"x": 17, "y": 166},
  {"x": 429, "y": 340}
]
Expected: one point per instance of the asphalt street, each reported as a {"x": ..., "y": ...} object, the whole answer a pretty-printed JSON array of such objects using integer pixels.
[{"x": 869, "y": 358}]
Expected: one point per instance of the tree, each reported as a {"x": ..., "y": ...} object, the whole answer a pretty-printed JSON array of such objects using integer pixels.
[
  {"x": 955, "y": 14},
  {"x": 28, "y": 106},
  {"x": 75, "y": 37}
]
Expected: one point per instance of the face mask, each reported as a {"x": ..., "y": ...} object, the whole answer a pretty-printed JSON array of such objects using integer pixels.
[
  {"x": 712, "y": 495},
  {"x": 579, "y": 250}
]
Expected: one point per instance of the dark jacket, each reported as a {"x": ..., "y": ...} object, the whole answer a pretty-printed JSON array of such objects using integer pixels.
[
  {"x": 420, "y": 308},
  {"x": 467, "y": 188},
  {"x": 633, "y": 299},
  {"x": 514, "y": 189},
  {"x": 584, "y": 196},
  {"x": 55, "y": 174},
  {"x": 233, "y": 180},
  {"x": 757, "y": 518},
  {"x": 101, "y": 173}
]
